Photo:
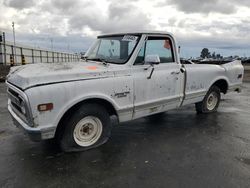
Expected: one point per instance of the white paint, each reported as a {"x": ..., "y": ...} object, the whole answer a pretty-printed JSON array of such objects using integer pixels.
[{"x": 127, "y": 87}]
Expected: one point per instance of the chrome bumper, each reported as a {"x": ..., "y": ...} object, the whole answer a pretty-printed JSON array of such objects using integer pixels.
[{"x": 35, "y": 133}]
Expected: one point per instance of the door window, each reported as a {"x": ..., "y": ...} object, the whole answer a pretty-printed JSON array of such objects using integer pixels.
[{"x": 161, "y": 46}]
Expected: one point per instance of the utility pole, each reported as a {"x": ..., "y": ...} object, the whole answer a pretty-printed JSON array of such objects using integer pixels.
[
  {"x": 14, "y": 37},
  {"x": 51, "y": 40}
]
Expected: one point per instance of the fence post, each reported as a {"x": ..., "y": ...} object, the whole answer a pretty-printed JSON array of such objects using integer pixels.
[
  {"x": 12, "y": 61},
  {"x": 53, "y": 57},
  {"x": 47, "y": 56},
  {"x": 32, "y": 54},
  {"x": 22, "y": 57},
  {"x": 41, "y": 56},
  {"x": 23, "y": 60},
  {"x": 4, "y": 49},
  {"x": 1, "y": 53}
]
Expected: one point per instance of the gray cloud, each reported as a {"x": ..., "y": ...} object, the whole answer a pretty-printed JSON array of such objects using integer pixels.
[
  {"x": 205, "y": 7},
  {"x": 118, "y": 18},
  {"x": 66, "y": 21},
  {"x": 19, "y": 4}
]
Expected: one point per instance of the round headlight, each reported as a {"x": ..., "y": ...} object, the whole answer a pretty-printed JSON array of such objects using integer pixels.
[{"x": 23, "y": 107}]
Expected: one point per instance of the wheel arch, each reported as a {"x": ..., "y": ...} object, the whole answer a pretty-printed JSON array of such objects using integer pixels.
[
  {"x": 105, "y": 103},
  {"x": 222, "y": 84}
]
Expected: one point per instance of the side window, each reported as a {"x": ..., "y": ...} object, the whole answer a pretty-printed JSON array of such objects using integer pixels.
[{"x": 160, "y": 46}]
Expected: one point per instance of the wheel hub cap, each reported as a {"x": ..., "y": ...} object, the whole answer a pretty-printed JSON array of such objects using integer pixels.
[
  {"x": 87, "y": 131},
  {"x": 212, "y": 101}
]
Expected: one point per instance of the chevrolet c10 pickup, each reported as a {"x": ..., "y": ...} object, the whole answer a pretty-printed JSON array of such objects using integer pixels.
[{"x": 127, "y": 75}]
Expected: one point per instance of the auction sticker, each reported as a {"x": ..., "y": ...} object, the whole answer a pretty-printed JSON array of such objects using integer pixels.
[{"x": 129, "y": 38}]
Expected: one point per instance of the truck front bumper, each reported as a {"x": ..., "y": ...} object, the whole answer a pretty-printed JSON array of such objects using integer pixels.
[{"x": 35, "y": 133}]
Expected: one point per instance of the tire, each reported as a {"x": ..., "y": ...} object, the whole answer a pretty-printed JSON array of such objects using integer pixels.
[
  {"x": 88, "y": 127},
  {"x": 210, "y": 102}
]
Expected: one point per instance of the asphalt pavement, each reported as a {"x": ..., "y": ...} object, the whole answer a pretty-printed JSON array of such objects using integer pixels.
[{"x": 180, "y": 149}]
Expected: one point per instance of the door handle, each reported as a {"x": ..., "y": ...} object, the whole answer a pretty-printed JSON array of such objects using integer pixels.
[{"x": 182, "y": 69}]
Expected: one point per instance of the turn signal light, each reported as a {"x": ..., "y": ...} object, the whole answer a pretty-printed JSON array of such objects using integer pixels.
[{"x": 45, "y": 107}]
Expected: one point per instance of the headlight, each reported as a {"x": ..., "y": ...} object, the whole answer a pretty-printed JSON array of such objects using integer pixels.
[{"x": 22, "y": 107}]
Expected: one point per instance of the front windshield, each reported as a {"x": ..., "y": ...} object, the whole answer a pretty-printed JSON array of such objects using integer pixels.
[{"x": 113, "y": 49}]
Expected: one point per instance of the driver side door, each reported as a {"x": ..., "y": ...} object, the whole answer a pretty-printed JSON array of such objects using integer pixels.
[{"x": 163, "y": 90}]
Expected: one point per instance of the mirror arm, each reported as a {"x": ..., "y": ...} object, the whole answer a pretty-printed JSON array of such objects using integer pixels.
[
  {"x": 147, "y": 67},
  {"x": 149, "y": 77},
  {"x": 150, "y": 65}
]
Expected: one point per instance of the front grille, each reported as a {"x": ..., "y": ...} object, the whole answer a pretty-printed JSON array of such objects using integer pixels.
[{"x": 18, "y": 104}]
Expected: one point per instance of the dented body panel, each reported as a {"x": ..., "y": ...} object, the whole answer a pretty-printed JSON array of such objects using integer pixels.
[{"x": 128, "y": 88}]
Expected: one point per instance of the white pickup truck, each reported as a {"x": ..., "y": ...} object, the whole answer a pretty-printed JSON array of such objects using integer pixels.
[{"x": 129, "y": 75}]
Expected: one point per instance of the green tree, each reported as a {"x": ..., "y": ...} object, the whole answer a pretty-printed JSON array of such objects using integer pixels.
[
  {"x": 213, "y": 55},
  {"x": 218, "y": 56},
  {"x": 205, "y": 53}
]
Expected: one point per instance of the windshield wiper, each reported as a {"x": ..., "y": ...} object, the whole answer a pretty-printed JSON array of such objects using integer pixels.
[{"x": 98, "y": 59}]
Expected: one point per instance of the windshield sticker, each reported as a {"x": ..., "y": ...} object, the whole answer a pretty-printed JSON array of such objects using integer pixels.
[{"x": 129, "y": 38}]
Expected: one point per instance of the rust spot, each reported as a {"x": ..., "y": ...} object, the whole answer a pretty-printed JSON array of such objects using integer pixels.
[{"x": 154, "y": 109}]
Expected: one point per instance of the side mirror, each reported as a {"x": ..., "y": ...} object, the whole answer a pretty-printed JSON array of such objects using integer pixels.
[{"x": 152, "y": 59}]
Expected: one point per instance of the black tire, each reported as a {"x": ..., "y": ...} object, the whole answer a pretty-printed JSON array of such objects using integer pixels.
[
  {"x": 203, "y": 106},
  {"x": 68, "y": 136}
]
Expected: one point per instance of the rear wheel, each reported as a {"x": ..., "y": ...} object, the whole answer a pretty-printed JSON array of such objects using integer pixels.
[
  {"x": 210, "y": 102},
  {"x": 87, "y": 128}
]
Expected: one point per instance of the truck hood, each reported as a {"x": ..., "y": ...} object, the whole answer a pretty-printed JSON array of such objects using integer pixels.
[{"x": 31, "y": 75}]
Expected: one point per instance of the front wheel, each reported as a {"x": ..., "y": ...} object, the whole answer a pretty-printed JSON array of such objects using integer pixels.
[
  {"x": 210, "y": 102},
  {"x": 87, "y": 128}
]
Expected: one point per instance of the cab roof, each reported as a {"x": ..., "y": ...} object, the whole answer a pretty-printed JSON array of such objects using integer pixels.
[{"x": 137, "y": 33}]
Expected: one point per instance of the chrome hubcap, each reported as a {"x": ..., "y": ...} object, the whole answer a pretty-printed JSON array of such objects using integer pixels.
[
  {"x": 87, "y": 131},
  {"x": 212, "y": 101}
]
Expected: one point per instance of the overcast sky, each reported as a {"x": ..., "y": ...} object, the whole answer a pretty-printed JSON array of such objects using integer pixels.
[{"x": 220, "y": 25}]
